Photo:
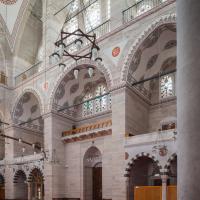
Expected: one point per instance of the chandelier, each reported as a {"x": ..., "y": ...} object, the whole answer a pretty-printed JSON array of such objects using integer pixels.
[{"x": 70, "y": 44}]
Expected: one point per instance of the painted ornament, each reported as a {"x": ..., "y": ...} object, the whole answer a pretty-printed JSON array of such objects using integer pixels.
[
  {"x": 115, "y": 51},
  {"x": 8, "y": 2}
]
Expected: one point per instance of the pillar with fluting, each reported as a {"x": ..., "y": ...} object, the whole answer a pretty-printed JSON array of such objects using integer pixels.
[{"x": 188, "y": 96}]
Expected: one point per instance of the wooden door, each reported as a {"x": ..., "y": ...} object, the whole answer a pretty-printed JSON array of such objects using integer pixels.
[{"x": 97, "y": 183}]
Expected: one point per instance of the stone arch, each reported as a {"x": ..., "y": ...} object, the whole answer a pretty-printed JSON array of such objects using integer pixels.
[
  {"x": 35, "y": 93},
  {"x": 171, "y": 158},
  {"x": 143, "y": 154},
  {"x": 167, "y": 19},
  {"x": 100, "y": 67},
  {"x": 17, "y": 174},
  {"x": 30, "y": 176}
]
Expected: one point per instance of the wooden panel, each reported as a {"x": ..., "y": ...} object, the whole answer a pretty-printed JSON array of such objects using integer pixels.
[
  {"x": 2, "y": 193},
  {"x": 148, "y": 193},
  {"x": 172, "y": 192}
]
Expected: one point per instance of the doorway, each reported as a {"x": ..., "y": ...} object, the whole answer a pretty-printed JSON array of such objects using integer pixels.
[{"x": 93, "y": 174}]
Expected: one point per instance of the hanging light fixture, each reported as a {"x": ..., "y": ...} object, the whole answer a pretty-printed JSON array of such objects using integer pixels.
[
  {"x": 90, "y": 71},
  {"x": 64, "y": 48},
  {"x": 76, "y": 71},
  {"x": 62, "y": 66},
  {"x": 78, "y": 43}
]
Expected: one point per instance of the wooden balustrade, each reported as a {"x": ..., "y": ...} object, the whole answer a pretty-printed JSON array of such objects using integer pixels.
[{"x": 90, "y": 127}]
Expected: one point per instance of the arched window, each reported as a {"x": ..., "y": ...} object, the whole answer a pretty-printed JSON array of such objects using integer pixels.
[
  {"x": 92, "y": 16},
  {"x": 101, "y": 101},
  {"x": 167, "y": 86},
  {"x": 88, "y": 105}
]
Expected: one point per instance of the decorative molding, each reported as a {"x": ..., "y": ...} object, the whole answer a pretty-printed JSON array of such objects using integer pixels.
[
  {"x": 132, "y": 161},
  {"x": 171, "y": 158},
  {"x": 167, "y": 19}
]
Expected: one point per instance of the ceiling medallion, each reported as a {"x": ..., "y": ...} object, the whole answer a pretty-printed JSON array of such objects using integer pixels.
[{"x": 8, "y": 2}]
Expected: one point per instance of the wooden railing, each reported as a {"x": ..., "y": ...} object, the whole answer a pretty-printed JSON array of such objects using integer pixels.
[
  {"x": 86, "y": 128},
  {"x": 140, "y": 8},
  {"x": 28, "y": 73},
  {"x": 3, "y": 78}
]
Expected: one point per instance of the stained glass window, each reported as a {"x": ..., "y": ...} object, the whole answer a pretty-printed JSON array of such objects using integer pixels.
[
  {"x": 101, "y": 101},
  {"x": 167, "y": 86},
  {"x": 92, "y": 16},
  {"x": 88, "y": 105}
]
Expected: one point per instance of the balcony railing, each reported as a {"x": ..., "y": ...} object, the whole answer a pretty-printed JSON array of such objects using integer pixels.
[
  {"x": 91, "y": 107},
  {"x": 3, "y": 78},
  {"x": 28, "y": 125},
  {"x": 140, "y": 8},
  {"x": 28, "y": 73}
]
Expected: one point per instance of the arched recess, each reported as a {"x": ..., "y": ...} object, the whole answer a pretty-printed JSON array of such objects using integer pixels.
[
  {"x": 92, "y": 174},
  {"x": 2, "y": 187},
  {"x": 20, "y": 185},
  {"x": 29, "y": 37},
  {"x": 36, "y": 183},
  {"x": 142, "y": 171},
  {"x": 135, "y": 50},
  {"x": 77, "y": 87},
  {"x": 28, "y": 106},
  {"x": 27, "y": 113}
]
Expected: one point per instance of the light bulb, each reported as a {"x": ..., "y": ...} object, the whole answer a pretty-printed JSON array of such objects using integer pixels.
[
  {"x": 90, "y": 71},
  {"x": 94, "y": 53},
  {"x": 76, "y": 73},
  {"x": 98, "y": 60},
  {"x": 20, "y": 140},
  {"x": 61, "y": 49},
  {"x": 62, "y": 66},
  {"x": 23, "y": 149},
  {"x": 78, "y": 43}
]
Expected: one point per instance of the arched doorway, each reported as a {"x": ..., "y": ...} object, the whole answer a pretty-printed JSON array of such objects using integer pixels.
[
  {"x": 93, "y": 174},
  {"x": 144, "y": 173},
  {"x": 20, "y": 185},
  {"x": 36, "y": 184},
  {"x": 2, "y": 188}
]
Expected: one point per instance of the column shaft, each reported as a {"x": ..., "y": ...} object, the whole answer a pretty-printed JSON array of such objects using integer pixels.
[{"x": 188, "y": 95}]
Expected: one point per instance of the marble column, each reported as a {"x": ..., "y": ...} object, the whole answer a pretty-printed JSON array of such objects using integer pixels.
[
  {"x": 188, "y": 98},
  {"x": 164, "y": 187},
  {"x": 29, "y": 191}
]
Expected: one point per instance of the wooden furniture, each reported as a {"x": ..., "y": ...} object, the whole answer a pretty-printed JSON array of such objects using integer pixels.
[{"x": 154, "y": 193}]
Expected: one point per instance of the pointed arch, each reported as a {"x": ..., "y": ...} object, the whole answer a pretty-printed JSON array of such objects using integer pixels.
[
  {"x": 137, "y": 156},
  {"x": 37, "y": 96},
  {"x": 167, "y": 19},
  {"x": 86, "y": 62}
]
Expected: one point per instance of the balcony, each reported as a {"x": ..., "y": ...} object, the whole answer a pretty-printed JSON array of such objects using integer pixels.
[
  {"x": 28, "y": 73},
  {"x": 96, "y": 106},
  {"x": 98, "y": 129},
  {"x": 139, "y": 8},
  {"x": 3, "y": 78}
]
